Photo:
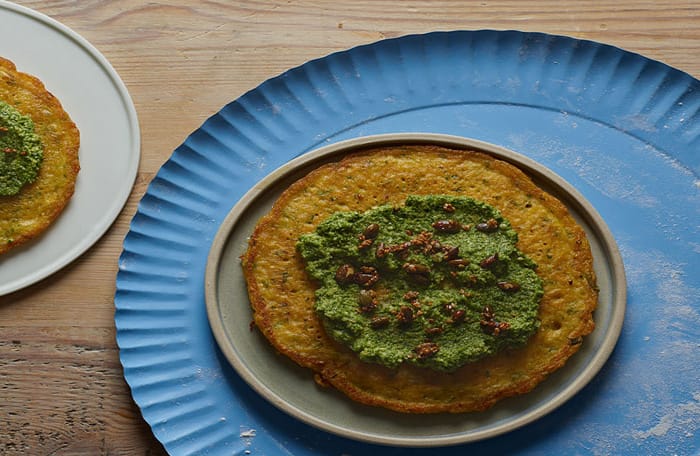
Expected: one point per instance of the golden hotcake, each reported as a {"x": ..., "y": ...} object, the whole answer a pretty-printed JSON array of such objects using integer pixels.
[
  {"x": 30, "y": 212},
  {"x": 282, "y": 294}
]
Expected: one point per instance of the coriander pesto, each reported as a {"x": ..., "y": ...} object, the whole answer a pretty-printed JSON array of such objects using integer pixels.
[
  {"x": 437, "y": 282},
  {"x": 21, "y": 150}
]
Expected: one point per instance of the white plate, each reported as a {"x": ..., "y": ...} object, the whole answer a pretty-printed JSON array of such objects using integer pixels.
[{"x": 97, "y": 100}]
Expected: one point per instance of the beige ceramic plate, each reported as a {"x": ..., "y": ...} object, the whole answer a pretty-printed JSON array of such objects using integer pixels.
[{"x": 292, "y": 389}]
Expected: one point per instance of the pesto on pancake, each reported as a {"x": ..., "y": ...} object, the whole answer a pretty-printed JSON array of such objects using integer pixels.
[
  {"x": 283, "y": 294},
  {"x": 40, "y": 157},
  {"x": 21, "y": 150},
  {"x": 437, "y": 282}
]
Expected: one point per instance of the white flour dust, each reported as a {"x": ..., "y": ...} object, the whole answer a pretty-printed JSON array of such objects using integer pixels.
[{"x": 684, "y": 417}]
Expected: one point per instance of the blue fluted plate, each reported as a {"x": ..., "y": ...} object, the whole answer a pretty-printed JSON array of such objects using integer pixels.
[{"x": 622, "y": 129}]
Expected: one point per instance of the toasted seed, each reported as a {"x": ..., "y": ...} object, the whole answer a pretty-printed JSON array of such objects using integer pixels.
[
  {"x": 366, "y": 277},
  {"x": 451, "y": 253},
  {"x": 382, "y": 250},
  {"x": 433, "y": 246},
  {"x": 447, "y": 226},
  {"x": 449, "y": 308},
  {"x": 458, "y": 316},
  {"x": 426, "y": 349},
  {"x": 405, "y": 315},
  {"x": 489, "y": 226},
  {"x": 364, "y": 243},
  {"x": 344, "y": 274},
  {"x": 380, "y": 322},
  {"x": 367, "y": 300},
  {"x": 490, "y": 261},
  {"x": 500, "y": 327},
  {"x": 434, "y": 331},
  {"x": 489, "y": 324},
  {"x": 411, "y": 296},
  {"x": 401, "y": 250},
  {"x": 459, "y": 263},
  {"x": 508, "y": 286},
  {"x": 371, "y": 231},
  {"x": 413, "y": 268},
  {"x": 367, "y": 296},
  {"x": 418, "y": 273}
]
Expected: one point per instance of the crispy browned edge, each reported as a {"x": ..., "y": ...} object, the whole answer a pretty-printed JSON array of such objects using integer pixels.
[
  {"x": 327, "y": 375},
  {"x": 51, "y": 103}
]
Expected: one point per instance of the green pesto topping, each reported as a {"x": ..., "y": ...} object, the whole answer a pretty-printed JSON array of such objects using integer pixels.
[
  {"x": 21, "y": 150},
  {"x": 437, "y": 282}
]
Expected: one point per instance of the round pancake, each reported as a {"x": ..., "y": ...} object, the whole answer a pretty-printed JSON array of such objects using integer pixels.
[
  {"x": 30, "y": 212},
  {"x": 282, "y": 295}
]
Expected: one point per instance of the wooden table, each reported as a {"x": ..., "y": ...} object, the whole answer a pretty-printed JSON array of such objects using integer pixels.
[{"x": 61, "y": 384}]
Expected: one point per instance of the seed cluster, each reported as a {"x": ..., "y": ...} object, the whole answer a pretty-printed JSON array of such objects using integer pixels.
[
  {"x": 420, "y": 275},
  {"x": 365, "y": 277},
  {"x": 436, "y": 283},
  {"x": 368, "y": 235},
  {"x": 489, "y": 324}
]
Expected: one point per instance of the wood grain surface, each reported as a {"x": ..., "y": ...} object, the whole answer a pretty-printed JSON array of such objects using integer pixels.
[{"x": 61, "y": 386}]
